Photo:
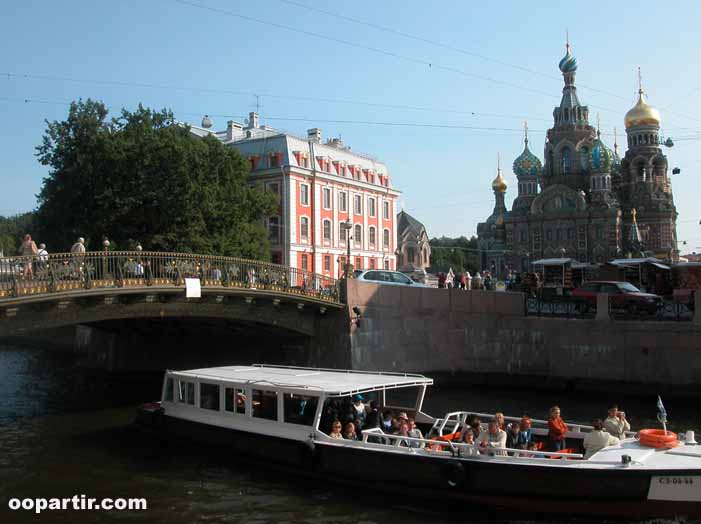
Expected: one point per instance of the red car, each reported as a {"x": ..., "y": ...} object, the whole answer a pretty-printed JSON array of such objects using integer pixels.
[{"x": 623, "y": 295}]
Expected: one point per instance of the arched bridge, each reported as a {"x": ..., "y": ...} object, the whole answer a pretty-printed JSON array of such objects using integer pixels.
[{"x": 66, "y": 289}]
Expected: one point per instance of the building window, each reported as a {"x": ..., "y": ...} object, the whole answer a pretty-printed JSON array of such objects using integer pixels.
[
  {"x": 358, "y": 262},
  {"x": 385, "y": 210},
  {"x": 548, "y": 234},
  {"x": 305, "y": 262},
  {"x": 385, "y": 238},
  {"x": 410, "y": 255},
  {"x": 304, "y": 228},
  {"x": 304, "y": 194},
  {"x": 274, "y": 160},
  {"x": 274, "y": 188},
  {"x": 387, "y": 265},
  {"x": 342, "y": 233},
  {"x": 357, "y": 235},
  {"x": 570, "y": 234},
  {"x": 371, "y": 207},
  {"x": 343, "y": 201},
  {"x": 326, "y": 197},
  {"x": 372, "y": 263},
  {"x": 524, "y": 236},
  {"x": 327, "y": 231},
  {"x": 358, "y": 204},
  {"x": 327, "y": 262},
  {"x": 274, "y": 229},
  {"x": 371, "y": 237}
]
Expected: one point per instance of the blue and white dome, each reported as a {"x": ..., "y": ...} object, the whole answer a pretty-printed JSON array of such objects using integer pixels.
[
  {"x": 568, "y": 64},
  {"x": 527, "y": 164},
  {"x": 601, "y": 157}
]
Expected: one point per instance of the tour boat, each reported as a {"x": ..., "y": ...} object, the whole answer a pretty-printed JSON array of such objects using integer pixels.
[{"x": 273, "y": 415}]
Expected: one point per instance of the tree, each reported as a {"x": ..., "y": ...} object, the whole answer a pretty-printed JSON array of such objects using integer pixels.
[
  {"x": 12, "y": 229},
  {"x": 459, "y": 253},
  {"x": 142, "y": 177}
]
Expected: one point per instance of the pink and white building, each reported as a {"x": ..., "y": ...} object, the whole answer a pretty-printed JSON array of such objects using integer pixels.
[{"x": 320, "y": 185}]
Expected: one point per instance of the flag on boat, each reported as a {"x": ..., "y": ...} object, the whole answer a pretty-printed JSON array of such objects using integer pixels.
[{"x": 660, "y": 407}]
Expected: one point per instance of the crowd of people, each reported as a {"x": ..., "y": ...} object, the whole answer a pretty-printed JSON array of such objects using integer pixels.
[
  {"x": 40, "y": 256},
  {"x": 348, "y": 418}
]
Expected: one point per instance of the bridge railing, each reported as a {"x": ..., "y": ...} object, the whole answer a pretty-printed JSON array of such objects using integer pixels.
[{"x": 21, "y": 276}]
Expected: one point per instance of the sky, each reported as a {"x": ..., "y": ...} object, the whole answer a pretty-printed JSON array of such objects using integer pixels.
[{"x": 433, "y": 89}]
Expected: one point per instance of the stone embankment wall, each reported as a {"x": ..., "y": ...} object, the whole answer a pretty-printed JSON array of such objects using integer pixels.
[{"x": 487, "y": 333}]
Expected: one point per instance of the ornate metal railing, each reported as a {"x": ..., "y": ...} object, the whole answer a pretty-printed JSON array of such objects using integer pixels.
[
  {"x": 666, "y": 310},
  {"x": 563, "y": 307},
  {"x": 21, "y": 276}
]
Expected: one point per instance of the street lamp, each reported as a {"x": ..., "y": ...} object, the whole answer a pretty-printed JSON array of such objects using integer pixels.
[
  {"x": 105, "y": 262},
  {"x": 348, "y": 269}
]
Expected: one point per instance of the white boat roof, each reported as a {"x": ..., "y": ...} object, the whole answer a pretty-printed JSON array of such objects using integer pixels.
[{"x": 329, "y": 381}]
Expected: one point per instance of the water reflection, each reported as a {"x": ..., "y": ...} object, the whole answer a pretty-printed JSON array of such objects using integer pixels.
[{"x": 65, "y": 431}]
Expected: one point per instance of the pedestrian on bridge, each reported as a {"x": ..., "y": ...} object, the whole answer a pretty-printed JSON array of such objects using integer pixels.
[
  {"x": 78, "y": 252},
  {"x": 43, "y": 256},
  {"x": 28, "y": 249}
]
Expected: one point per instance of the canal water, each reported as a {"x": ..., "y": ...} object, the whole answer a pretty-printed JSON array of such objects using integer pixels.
[{"x": 65, "y": 430}]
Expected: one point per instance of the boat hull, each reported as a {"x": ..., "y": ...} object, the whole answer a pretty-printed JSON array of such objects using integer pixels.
[{"x": 510, "y": 486}]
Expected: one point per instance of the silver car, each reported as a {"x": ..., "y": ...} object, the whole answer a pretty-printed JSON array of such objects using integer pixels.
[{"x": 383, "y": 276}]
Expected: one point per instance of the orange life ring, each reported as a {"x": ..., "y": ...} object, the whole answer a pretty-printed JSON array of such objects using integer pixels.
[{"x": 657, "y": 438}]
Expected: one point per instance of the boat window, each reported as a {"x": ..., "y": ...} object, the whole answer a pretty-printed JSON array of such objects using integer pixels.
[
  {"x": 300, "y": 409},
  {"x": 168, "y": 394},
  {"x": 264, "y": 404},
  {"x": 209, "y": 396},
  {"x": 235, "y": 397},
  {"x": 186, "y": 392}
]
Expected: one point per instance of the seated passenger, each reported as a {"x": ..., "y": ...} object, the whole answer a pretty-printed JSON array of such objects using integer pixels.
[
  {"x": 475, "y": 424},
  {"x": 469, "y": 439},
  {"x": 513, "y": 433},
  {"x": 499, "y": 417},
  {"x": 335, "y": 430},
  {"x": 349, "y": 432},
  {"x": 414, "y": 432},
  {"x": 525, "y": 433},
  {"x": 597, "y": 439},
  {"x": 493, "y": 439},
  {"x": 616, "y": 423},
  {"x": 403, "y": 431}
]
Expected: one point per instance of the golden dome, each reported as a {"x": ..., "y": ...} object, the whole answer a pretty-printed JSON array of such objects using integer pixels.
[
  {"x": 642, "y": 114},
  {"x": 499, "y": 183}
]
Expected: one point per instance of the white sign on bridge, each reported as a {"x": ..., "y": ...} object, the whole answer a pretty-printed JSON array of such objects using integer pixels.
[{"x": 193, "y": 288}]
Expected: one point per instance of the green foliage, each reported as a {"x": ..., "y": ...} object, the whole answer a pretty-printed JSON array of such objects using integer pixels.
[
  {"x": 12, "y": 229},
  {"x": 141, "y": 177},
  {"x": 459, "y": 253}
]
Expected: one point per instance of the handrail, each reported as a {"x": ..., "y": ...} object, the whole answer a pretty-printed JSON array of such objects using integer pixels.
[
  {"x": 45, "y": 274},
  {"x": 517, "y": 453},
  {"x": 574, "y": 427}
]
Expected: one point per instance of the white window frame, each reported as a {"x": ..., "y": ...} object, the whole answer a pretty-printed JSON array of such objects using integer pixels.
[
  {"x": 357, "y": 242},
  {"x": 358, "y": 210},
  {"x": 326, "y": 203},
  {"x": 343, "y": 201},
  {"x": 372, "y": 207},
  {"x": 372, "y": 237},
  {"x": 386, "y": 233},
  {"x": 302, "y": 237},
  {"x": 385, "y": 209},
  {"x": 342, "y": 234},
  {"x": 324, "y": 223},
  {"x": 304, "y": 189}
]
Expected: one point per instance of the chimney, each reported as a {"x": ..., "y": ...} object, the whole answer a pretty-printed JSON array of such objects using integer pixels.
[
  {"x": 229, "y": 130},
  {"x": 253, "y": 120},
  {"x": 314, "y": 134}
]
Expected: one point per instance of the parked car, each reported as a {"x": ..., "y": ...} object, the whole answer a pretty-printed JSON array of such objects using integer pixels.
[
  {"x": 623, "y": 295},
  {"x": 383, "y": 276}
]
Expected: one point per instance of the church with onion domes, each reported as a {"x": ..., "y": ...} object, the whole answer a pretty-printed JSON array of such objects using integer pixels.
[{"x": 583, "y": 202}]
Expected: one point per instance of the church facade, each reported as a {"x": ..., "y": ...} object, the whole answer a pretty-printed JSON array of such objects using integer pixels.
[{"x": 583, "y": 202}]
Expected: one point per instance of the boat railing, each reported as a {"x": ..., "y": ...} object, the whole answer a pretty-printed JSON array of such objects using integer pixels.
[
  {"x": 439, "y": 425},
  {"x": 460, "y": 449}
]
